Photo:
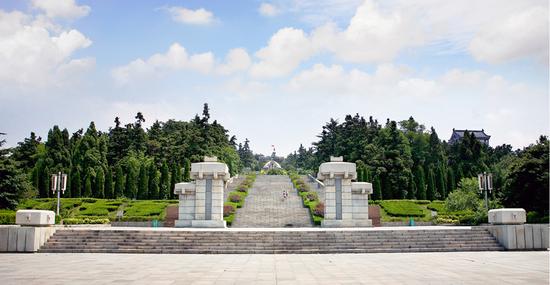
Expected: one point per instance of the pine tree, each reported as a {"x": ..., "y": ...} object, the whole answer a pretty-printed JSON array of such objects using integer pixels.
[
  {"x": 431, "y": 192},
  {"x": 153, "y": 182},
  {"x": 164, "y": 182},
  {"x": 420, "y": 183},
  {"x": 377, "y": 191},
  {"x": 76, "y": 184},
  {"x": 131, "y": 183},
  {"x": 440, "y": 183},
  {"x": 108, "y": 184},
  {"x": 119, "y": 182},
  {"x": 174, "y": 178},
  {"x": 411, "y": 193},
  {"x": 100, "y": 183},
  {"x": 88, "y": 185},
  {"x": 451, "y": 184},
  {"x": 143, "y": 182},
  {"x": 187, "y": 171}
]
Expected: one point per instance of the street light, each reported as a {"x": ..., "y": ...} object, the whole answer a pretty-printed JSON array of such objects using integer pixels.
[
  {"x": 59, "y": 184},
  {"x": 485, "y": 181}
]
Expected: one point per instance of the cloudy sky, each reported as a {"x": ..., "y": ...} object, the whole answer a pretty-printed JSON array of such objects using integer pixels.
[{"x": 275, "y": 72}]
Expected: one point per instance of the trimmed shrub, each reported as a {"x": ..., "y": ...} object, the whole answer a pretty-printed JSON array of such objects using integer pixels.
[
  {"x": 319, "y": 210},
  {"x": 235, "y": 198},
  {"x": 7, "y": 218},
  {"x": 84, "y": 221},
  {"x": 228, "y": 210},
  {"x": 312, "y": 196}
]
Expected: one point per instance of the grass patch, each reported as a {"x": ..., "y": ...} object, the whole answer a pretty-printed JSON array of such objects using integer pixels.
[{"x": 402, "y": 208}]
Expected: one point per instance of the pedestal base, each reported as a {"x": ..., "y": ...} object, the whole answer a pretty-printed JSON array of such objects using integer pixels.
[
  {"x": 346, "y": 223},
  {"x": 182, "y": 223},
  {"x": 208, "y": 224}
]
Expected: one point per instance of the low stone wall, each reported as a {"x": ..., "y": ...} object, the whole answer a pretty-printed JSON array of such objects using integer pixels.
[
  {"x": 15, "y": 238},
  {"x": 401, "y": 224},
  {"x": 521, "y": 237}
]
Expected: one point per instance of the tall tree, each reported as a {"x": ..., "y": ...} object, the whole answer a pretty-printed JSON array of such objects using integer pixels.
[
  {"x": 419, "y": 177},
  {"x": 109, "y": 184},
  {"x": 119, "y": 182},
  {"x": 164, "y": 182},
  {"x": 143, "y": 187},
  {"x": 377, "y": 191},
  {"x": 100, "y": 183},
  {"x": 154, "y": 182},
  {"x": 431, "y": 191}
]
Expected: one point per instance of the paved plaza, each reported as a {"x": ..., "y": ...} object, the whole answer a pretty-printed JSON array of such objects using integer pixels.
[{"x": 393, "y": 268}]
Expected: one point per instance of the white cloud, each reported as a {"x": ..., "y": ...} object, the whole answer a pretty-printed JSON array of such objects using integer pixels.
[
  {"x": 67, "y": 9},
  {"x": 176, "y": 58},
  {"x": 373, "y": 35},
  {"x": 32, "y": 50},
  {"x": 524, "y": 34},
  {"x": 200, "y": 16},
  {"x": 284, "y": 52},
  {"x": 236, "y": 60},
  {"x": 268, "y": 10}
]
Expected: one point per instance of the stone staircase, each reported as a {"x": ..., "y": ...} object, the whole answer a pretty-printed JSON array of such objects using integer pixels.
[
  {"x": 264, "y": 206},
  {"x": 109, "y": 240}
]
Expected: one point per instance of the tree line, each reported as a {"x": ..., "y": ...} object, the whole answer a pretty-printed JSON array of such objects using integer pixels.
[
  {"x": 404, "y": 160},
  {"x": 126, "y": 161}
]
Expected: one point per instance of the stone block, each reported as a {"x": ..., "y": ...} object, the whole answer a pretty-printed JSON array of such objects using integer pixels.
[
  {"x": 347, "y": 216},
  {"x": 528, "y": 236},
  {"x": 184, "y": 188},
  {"x": 182, "y": 223},
  {"x": 520, "y": 236},
  {"x": 4, "y": 239},
  {"x": 34, "y": 217},
  {"x": 330, "y": 195},
  {"x": 362, "y": 187},
  {"x": 21, "y": 238},
  {"x": 332, "y": 169},
  {"x": 208, "y": 224},
  {"x": 182, "y": 216},
  {"x": 329, "y": 210},
  {"x": 537, "y": 236},
  {"x": 12, "y": 238},
  {"x": 360, "y": 216},
  {"x": 507, "y": 216},
  {"x": 330, "y": 215}
]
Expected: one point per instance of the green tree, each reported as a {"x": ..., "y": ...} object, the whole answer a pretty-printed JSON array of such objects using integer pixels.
[
  {"x": 143, "y": 187},
  {"x": 451, "y": 184},
  {"x": 526, "y": 185},
  {"x": 119, "y": 182},
  {"x": 440, "y": 183},
  {"x": 13, "y": 182},
  {"x": 88, "y": 184},
  {"x": 100, "y": 183},
  {"x": 420, "y": 183},
  {"x": 377, "y": 188},
  {"x": 164, "y": 182},
  {"x": 109, "y": 184},
  {"x": 154, "y": 182},
  {"x": 431, "y": 191},
  {"x": 411, "y": 193},
  {"x": 76, "y": 184},
  {"x": 131, "y": 183}
]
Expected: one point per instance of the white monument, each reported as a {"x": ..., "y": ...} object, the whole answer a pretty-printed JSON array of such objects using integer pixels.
[
  {"x": 201, "y": 202},
  {"x": 346, "y": 202}
]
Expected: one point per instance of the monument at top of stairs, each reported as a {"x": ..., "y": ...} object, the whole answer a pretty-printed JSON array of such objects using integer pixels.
[
  {"x": 201, "y": 202},
  {"x": 346, "y": 202}
]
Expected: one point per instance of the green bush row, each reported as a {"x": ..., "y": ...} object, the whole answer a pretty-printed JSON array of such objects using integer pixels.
[{"x": 309, "y": 198}]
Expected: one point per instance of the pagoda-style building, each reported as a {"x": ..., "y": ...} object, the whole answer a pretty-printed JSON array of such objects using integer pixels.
[{"x": 480, "y": 135}]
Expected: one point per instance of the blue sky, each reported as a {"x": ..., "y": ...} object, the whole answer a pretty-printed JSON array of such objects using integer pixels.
[{"x": 276, "y": 71}]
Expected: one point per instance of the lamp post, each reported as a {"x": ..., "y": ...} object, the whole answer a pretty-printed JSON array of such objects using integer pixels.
[
  {"x": 59, "y": 184},
  {"x": 485, "y": 181}
]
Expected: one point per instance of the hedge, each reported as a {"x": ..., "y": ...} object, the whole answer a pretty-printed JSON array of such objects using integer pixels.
[
  {"x": 402, "y": 208},
  {"x": 7, "y": 218},
  {"x": 233, "y": 202},
  {"x": 82, "y": 221}
]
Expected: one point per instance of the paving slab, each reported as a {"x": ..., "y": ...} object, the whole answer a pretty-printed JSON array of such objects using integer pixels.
[{"x": 395, "y": 268}]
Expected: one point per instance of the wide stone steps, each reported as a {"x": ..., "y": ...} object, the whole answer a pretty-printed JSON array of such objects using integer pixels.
[
  {"x": 330, "y": 241},
  {"x": 265, "y": 207}
]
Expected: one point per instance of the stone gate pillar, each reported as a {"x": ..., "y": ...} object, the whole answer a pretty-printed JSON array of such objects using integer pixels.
[
  {"x": 346, "y": 202},
  {"x": 201, "y": 202}
]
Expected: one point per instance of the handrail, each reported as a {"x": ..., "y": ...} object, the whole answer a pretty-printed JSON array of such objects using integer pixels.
[{"x": 313, "y": 179}]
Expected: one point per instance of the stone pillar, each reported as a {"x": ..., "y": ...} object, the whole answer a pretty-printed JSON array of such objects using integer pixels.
[
  {"x": 201, "y": 202},
  {"x": 346, "y": 202}
]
